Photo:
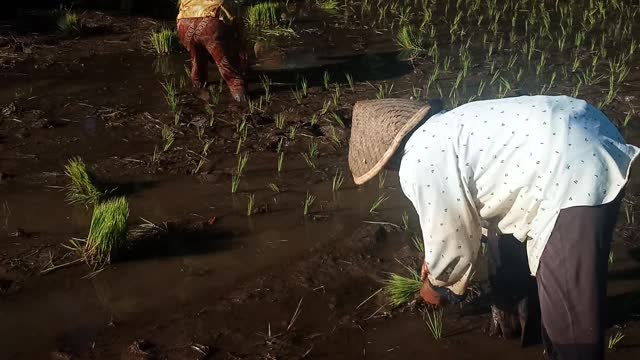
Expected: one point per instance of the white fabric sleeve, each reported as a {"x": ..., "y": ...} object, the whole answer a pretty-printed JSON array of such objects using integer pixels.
[{"x": 450, "y": 224}]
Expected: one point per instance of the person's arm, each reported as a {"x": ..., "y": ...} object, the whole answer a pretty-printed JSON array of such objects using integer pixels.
[{"x": 451, "y": 229}]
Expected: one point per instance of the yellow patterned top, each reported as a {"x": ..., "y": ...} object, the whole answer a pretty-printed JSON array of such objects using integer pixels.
[{"x": 206, "y": 8}]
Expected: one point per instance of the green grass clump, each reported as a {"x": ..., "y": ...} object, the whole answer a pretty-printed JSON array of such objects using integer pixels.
[
  {"x": 69, "y": 23},
  {"x": 327, "y": 4},
  {"x": 263, "y": 15},
  {"x": 402, "y": 290},
  {"x": 164, "y": 41},
  {"x": 409, "y": 40},
  {"x": 108, "y": 232},
  {"x": 81, "y": 188}
]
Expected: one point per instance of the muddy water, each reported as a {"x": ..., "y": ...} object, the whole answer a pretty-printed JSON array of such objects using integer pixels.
[{"x": 63, "y": 307}]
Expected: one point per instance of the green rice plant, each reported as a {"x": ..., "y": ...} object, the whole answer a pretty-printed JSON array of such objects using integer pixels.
[
  {"x": 576, "y": 64},
  {"x": 107, "y": 233},
  {"x": 455, "y": 86},
  {"x": 465, "y": 59},
  {"x": 235, "y": 182},
  {"x": 235, "y": 177},
  {"x": 402, "y": 290},
  {"x": 292, "y": 132},
  {"x": 615, "y": 339},
  {"x": 305, "y": 87},
  {"x": 384, "y": 90},
  {"x": 433, "y": 77},
  {"x": 242, "y": 163},
  {"x": 333, "y": 136},
  {"x": 541, "y": 64},
  {"x": 307, "y": 203},
  {"x": 280, "y": 119},
  {"x": 255, "y": 106},
  {"x": 279, "y": 146},
  {"x": 495, "y": 77},
  {"x": 382, "y": 177},
  {"x": 274, "y": 188},
  {"x": 263, "y": 15},
  {"x": 314, "y": 120},
  {"x": 349, "y": 81},
  {"x": 335, "y": 96},
  {"x": 69, "y": 23},
  {"x": 446, "y": 65},
  {"x": 576, "y": 90},
  {"x": 326, "y": 80},
  {"x": 170, "y": 94},
  {"x": 250, "y": 202},
  {"x": 164, "y": 41},
  {"x": 409, "y": 39},
  {"x": 155, "y": 158},
  {"x": 81, "y": 188},
  {"x": 325, "y": 107},
  {"x": 338, "y": 119},
  {"x": 338, "y": 179},
  {"x": 627, "y": 118},
  {"x": 308, "y": 160},
  {"x": 376, "y": 204},
  {"x": 434, "y": 322},
  {"x": 297, "y": 95},
  {"x": 418, "y": 243},
  {"x": 313, "y": 150},
  {"x": 481, "y": 86},
  {"x": 327, "y": 4},
  {"x": 168, "y": 136},
  {"x": 266, "y": 86},
  {"x": 280, "y": 161},
  {"x": 405, "y": 221}
]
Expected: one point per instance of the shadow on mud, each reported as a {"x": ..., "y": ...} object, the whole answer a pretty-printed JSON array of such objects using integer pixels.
[
  {"x": 363, "y": 68},
  {"x": 128, "y": 188},
  {"x": 626, "y": 307},
  {"x": 174, "y": 239}
]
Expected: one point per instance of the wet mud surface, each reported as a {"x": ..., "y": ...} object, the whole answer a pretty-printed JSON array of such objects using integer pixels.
[{"x": 218, "y": 284}]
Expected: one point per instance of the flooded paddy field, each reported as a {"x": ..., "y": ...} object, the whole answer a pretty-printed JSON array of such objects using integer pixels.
[{"x": 282, "y": 257}]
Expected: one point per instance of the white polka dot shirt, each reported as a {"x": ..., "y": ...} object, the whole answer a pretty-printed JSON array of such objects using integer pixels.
[{"x": 510, "y": 165}]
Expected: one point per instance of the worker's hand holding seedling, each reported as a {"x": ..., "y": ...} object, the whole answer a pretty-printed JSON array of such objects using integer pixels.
[
  {"x": 427, "y": 292},
  {"x": 435, "y": 295}
]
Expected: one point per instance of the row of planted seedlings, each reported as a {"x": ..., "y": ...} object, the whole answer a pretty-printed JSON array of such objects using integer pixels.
[{"x": 519, "y": 47}]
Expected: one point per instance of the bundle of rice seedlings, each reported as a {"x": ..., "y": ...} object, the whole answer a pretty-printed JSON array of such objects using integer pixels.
[
  {"x": 69, "y": 23},
  {"x": 263, "y": 15},
  {"x": 108, "y": 231},
  {"x": 327, "y": 4},
  {"x": 409, "y": 40},
  {"x": 81, "y": 189},
  {"x": 402, "y": 290},
  {"x": 163, "y": 41}
]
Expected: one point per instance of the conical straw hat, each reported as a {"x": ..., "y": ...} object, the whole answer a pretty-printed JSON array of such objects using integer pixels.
[{"x": 377, "y": 130}]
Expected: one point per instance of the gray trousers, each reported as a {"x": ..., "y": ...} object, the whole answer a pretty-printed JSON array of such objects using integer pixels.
[{"x": 572, "y": 282}]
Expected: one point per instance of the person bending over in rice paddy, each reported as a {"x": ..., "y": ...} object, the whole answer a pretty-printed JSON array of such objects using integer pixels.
[
  {"x": 210, "y": 29},
  {"x": 547, "y": 171}
]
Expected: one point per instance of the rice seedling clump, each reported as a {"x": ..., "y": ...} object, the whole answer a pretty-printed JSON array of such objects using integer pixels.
[
  {"x": 263, "y": 15},
  {"x": 402, "y": 290},
  {"x": 69, "y": 23},
  {"x": 163, "y": 41},
  {"x": 108, "y": 231},
  {"x": 81, "y": 189}
]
